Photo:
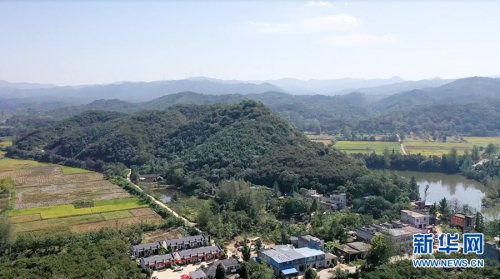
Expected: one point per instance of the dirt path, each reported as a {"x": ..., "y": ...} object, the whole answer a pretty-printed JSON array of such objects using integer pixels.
[
  {"x": 186, "y": 221},
  {"x": 403, "y": 150}
]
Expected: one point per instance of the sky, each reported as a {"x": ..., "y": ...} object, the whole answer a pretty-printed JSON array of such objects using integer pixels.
[{"x": 84, "y": 42}]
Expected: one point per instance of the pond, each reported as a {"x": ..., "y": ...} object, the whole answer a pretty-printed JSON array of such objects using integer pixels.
[
  {"x": 165, "y": 195},
  {"x": 453, "y": 187}
]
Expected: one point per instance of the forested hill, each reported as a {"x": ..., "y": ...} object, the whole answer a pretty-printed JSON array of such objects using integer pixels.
[
  {"x": 466, "y": 107},
  {"x": 461, "y": 91},
  {"x": 245, "y": 140}
]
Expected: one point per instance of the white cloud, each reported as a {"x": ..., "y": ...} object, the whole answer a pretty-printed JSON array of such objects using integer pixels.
[
  {"x": 359, "y": 39},
  {"x": 341, "y": 22},
  {"x": 330, "y": 23},
  {"x": 317, "y": 4}
]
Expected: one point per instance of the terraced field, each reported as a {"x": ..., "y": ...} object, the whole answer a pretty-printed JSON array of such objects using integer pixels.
[{"x": 54, "y": 198}]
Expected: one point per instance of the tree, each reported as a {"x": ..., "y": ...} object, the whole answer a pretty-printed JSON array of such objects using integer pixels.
[
  {"x": 5, "y": 231},
  {"x": 426, "y": 191},
  {"x": 340, "y": 274},
  {"x": 475, "y": 153},
  {"x": 444, "y": 209},
  {"x": 243, "y": 272},
  {"x": 379, "y": 253},
  {"x": 220, "y": 273},
  {"x": 479, "y": 222},
  {"x": 452, "y": 161},
  {"x": 314, "y": 206},
  {"x": 490, "y": 149},
  {"x": 433, "y": 209},
  {"x": 467, "y": 163},
  {"x": 387, "y": 158},
  {"x": 311, "y": 274},
  {"x": 205, "y": 214},
  {"x": 258, "y": 244},
  {"x": 246, "y": 250},
  {"x": 276, "y": 189}
]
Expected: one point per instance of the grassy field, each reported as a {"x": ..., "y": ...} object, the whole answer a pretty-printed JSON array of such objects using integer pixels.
[
  {"x": 67, "y": 210},
  {"x": 367, "y": 146},
  {"x": 187, "y": 206}
]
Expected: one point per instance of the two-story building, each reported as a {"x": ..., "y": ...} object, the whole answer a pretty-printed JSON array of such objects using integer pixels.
[
  {"x": 157, "y": 261},
  {"x": 464, "y": 221},
  {"x": 197, "y": 254},
  {"x": 310, "y": 242},
  {"x": 188, "y": 242},
  {"x": 415, "y": 219},
  {"x": 145, "y": 250},
  {"x": 290, "y": 262}
]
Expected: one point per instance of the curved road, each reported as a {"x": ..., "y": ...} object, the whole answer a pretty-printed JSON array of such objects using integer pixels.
[{"x": 186, "y": 221}]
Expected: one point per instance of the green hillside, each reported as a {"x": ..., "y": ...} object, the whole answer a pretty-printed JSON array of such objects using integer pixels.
[{"x": 245, "y": 140}]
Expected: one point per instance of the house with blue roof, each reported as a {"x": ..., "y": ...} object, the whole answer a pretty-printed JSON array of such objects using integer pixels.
[{"x": 290, "y": 262}]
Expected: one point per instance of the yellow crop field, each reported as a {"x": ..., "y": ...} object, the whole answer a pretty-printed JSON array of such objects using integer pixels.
[
  {"x": 67, "y": 210},
  {"x": 482, "y": 141},
  {"x": 367, "y": 146}
]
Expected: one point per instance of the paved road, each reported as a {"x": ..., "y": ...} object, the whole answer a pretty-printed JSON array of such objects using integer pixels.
[{"x": 186, "y": 221}]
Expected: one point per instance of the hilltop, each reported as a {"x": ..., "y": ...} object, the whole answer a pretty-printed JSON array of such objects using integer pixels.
[{"x": 245, "y": 140}]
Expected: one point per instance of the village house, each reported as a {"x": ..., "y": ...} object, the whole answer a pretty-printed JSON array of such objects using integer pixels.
[
  {"x": 197, "y": 255},
  {"x": 150, "y": 178},
  {"x": 197, "y": 274},
  {"x": 403, "y": 237},
  {"x": 230, "y": 266},
  {"x": 157, "y": 261},
  {"x": 401, "y": 234},
  {"x": 415, "y": 219},
  {"x": 145, "y": 250},
  {"x": 289, "y": 262},
  {"x": 333, "y": 202},
  {"x": 352, "y": 251},
  {"x": 188, "y": 242},
  {"x": 464, "y": 221},
  {"x": 310, "y": 242}
]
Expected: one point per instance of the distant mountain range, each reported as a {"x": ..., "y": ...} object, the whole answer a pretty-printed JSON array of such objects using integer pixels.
[
  {"x": 144, "y": 91},
  {"x": 464, "y": 106}
]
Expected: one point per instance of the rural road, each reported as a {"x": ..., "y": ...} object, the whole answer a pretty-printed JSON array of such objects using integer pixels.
[
  {"x": 403, "y": 150},
  {"x": 186, "y": 221}
]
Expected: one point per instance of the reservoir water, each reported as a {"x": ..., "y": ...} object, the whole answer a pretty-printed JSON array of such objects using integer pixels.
[{"x": 453, "y": 187}]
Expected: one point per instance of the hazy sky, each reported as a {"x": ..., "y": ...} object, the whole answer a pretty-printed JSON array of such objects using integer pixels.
[{"x": 90, "y": 42}]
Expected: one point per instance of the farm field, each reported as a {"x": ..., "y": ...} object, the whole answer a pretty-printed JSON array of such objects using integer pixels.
[
  {"x": 49, "y": 197},
  {"x": 423, "y": 147},
  {"x": 429, "y": 148},
  {"x": 367, "y": 146},
  {"x": 5, "y": 142},
  {"x": 66, "y": 210},
  {"x": 482, "y": 141},
  {"x": 325, "y": 139}
]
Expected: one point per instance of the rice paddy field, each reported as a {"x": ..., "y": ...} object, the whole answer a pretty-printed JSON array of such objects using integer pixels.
[
  {"x": 430, "y": 148},
  {"x": 54, "y": 198},
  {"x": 367, "y": 146},
  {"x": 412, "y": 146}
]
